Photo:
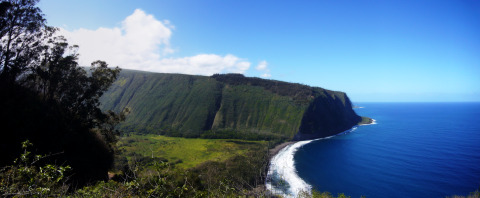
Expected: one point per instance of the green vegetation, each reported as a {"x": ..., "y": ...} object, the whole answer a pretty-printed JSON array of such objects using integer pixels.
[
  {"x": 164, "y": 103},
  {"x": 366, "y": 120},
  {"x": 25, "y": 179},
  {"x": 211, "y": 166},
  {"x": 227, "y": 106},
  {"x": 252, "y": 109},
  {"x": 184, "y": 153},
  {"x": 232, "y": 177}
]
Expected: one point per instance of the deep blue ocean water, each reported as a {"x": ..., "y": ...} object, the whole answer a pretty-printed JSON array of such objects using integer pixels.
[{"x": 414, "y": 150}]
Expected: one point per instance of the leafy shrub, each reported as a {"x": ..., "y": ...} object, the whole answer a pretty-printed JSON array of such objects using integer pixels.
[{"x": 26, "y": 179}]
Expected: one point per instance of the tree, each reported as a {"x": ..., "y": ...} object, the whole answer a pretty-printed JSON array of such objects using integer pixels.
[
  {"x": 58, "y": 78},
  {"x": 22, "y": 31},
  {"x": 48, "y": 99}
]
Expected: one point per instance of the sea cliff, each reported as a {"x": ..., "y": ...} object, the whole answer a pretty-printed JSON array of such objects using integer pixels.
[{"x": 227, "y": 106}]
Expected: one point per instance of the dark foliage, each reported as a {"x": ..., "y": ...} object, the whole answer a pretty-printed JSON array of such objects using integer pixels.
[
  {"x": 48, "y": 99},
  {"x": 22, "y": 32},
  {"x": 26, "y": 178}
]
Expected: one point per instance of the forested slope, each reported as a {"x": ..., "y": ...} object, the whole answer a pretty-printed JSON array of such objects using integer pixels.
[{"x": 227, "y": 106}]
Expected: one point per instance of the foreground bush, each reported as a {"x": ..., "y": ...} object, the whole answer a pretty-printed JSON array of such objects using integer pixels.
[{"x": 26, "y": 179}]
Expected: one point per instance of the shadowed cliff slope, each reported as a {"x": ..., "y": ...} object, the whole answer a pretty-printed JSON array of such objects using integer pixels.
[{"x": 227, "y": 106}]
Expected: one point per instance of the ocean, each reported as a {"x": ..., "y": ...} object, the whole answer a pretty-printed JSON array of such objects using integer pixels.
[{"x": 413, "y": 150}]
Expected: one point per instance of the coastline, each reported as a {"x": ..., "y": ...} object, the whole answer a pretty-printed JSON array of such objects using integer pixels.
[
  {"x": 366, "y": 121},
  {"x": 370, "y": 122},
  {"x": 281, "y": 170},
  {"x": 274, "y": 151},
  {"x": 288, "y": 165}
]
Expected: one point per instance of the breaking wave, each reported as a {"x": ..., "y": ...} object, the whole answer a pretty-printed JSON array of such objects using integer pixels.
[{"x": 282, "y": 177}]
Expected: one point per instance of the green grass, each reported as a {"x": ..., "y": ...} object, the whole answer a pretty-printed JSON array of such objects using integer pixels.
[{"x": 185, "y": 152}]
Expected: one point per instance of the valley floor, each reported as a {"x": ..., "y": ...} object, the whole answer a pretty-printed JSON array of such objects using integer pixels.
[{"x": 185, "y": 152}]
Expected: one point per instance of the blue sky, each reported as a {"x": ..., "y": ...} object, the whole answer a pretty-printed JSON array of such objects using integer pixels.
[{"x": 390, "y": 51}]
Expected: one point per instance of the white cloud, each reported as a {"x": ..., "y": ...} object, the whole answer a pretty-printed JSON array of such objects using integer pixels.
[
  {"x": 142, "y": 43},
  {"x": 266, "y": 75},
  {"x": 204, "y": 64},
  {"x": 263, "y": 67}
]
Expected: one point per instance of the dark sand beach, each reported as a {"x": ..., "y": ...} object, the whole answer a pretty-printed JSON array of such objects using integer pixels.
[{"x": 279, "y": 147}]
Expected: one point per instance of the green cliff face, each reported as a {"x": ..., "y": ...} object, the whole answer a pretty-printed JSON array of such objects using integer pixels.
[
  {"x": 328, "y": 114},
  {"x": 227, "y": 106}
]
